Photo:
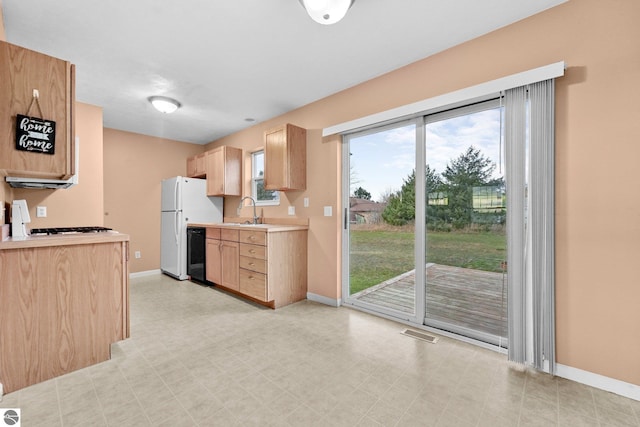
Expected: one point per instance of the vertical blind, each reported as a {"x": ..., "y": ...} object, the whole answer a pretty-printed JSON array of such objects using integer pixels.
[{"x": 529, "y": 150}]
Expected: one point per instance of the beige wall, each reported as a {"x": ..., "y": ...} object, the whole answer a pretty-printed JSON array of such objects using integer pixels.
[
  {"x": 134, "y": 166},
  {"x": 80, "y": 205},
  {"x": 598, "y": 209}
]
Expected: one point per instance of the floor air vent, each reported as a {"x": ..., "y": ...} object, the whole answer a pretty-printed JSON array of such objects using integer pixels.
[{"x": 420, "y": 335}]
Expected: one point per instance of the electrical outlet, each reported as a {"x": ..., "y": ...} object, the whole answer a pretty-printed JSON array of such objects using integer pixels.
[
  {"x": 292, "y": 210},
  {"x": 328, "y": 211},
  {"x": 41, "y": 211},
  {"x": 137, "y": 255},
  {"x": 306, "y": 202}
]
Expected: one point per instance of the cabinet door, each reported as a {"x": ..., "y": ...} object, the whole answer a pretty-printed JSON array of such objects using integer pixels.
[
  {"x": 22, "y": 71},
  {"x": 223, "y": 168},
  {"x": 285, "y": 158},
  {"x": 275, "y": 159},
  {"x": 215, "y": 172},
  {"x": 201, "y": 169},
  {"x": 253, "y": 284},
  {"x": 230, "y": 267},
  {"x": 196, "y": 166},
  {"x": 191, "y": 167},
  {"x": 214, "y": 261}
]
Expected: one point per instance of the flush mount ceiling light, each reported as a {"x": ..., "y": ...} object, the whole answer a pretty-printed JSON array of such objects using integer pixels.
[
  {"x": 326, "y": 12},
  {"x": 164, "y": 104}
]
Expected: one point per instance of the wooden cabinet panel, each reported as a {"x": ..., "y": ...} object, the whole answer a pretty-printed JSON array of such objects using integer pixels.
[
  {"x": 191, "y": 167},
  {"x": 212, "y": 233},
  {"x": 253, "y": 284},
  {"x": 22, "y": 71},
  {"x": 253, "y": 237},
  {"x": 213, "y": 260},
  {"x": 285, "y": 158},
  {"x": 253, "y": 251},
  {"x": 196, "y": 166},
  {"x": 61, "y": 308},
  {"x": 253, "y": 264},
  {"x": 229, "y": 234},
  {"x": 215, "y": 173},
  {"x": 223, "y": 167},
  {"x": 230, "y": 267}
]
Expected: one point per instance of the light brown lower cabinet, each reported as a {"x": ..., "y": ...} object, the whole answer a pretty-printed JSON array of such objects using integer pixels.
[
  {"x": 214, "y": 259},
  {"x": 271, "y": 267},
  {"x": 222, "y": 258},
  {"x": 61, "y": 307}
]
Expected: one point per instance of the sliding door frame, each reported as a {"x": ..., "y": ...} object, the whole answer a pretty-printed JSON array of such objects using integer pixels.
[
  {"x": 419, "y": 242},
  {"x": 419, "y": 317}
]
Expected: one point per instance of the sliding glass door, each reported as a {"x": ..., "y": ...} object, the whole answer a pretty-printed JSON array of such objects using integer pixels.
[
  {"x": 465, "y": 265},
  {"x": 379, "y": 225},
  {"x": 424, "y": 221}
]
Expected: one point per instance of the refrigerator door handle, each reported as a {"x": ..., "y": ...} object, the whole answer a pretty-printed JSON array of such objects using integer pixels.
[
  {"x": 176, "y": 227},
  {"x": 175, "y": 195}
]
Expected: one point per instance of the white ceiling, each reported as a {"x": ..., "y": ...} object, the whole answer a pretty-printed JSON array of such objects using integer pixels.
[{"x": 226, "y": 61}]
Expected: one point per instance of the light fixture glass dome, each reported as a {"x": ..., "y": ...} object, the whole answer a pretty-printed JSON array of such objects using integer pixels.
[
  {"x": 164, "y": 104},
  {"x": 327, "y": 12}
]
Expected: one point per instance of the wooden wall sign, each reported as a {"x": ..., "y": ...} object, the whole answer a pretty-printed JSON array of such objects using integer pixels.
[{"x": 36, "y": 135}]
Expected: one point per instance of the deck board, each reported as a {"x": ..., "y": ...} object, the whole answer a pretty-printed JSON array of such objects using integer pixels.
[{"x": 465, "y": 297}]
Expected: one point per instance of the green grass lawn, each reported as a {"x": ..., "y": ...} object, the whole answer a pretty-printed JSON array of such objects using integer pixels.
[{"x": 378, "y": 255}]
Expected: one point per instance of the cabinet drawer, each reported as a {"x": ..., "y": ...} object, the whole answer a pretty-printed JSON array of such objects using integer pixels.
[
  {"x": 253, "y": 264},
  {"x": 253, "y": 284},
  {"x": 227, "y": 234},
  {"x": 254, "y": 237},
  {"x": 213, "y": 233},
  {"x": 253, "y": 251}
]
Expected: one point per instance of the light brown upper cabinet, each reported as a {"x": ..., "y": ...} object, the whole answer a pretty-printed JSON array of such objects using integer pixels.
[
  {"x": 224, "y": 171},
  {"x": 22, "y": 71},
  {"x": 285, "y": 158},
  {"x": 196, "y": 166}
]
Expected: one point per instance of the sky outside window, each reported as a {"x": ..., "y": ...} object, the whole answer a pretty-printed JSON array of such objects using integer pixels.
[{"x": 380, "y": 162}]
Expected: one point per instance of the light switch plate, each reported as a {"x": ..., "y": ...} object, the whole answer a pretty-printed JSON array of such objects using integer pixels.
[
  {"x": 328, "y": 211},
  {"x": 292, "y": 210},
  {"x": 306, "y": 202}
]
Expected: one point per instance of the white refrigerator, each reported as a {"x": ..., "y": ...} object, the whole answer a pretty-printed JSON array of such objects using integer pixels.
[{"x": 184, "y": 200}]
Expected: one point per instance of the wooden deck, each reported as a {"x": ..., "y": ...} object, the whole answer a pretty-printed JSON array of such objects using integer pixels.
[{"x": 465, "y": 297}]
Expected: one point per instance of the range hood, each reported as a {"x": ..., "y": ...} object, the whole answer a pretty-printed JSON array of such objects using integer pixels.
[
  {"x": 25, "y": 182},
  {"x": 22, "y": 182}
]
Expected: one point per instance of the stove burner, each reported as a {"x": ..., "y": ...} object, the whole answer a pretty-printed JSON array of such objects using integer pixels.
[{"x": 68, "y": 230}]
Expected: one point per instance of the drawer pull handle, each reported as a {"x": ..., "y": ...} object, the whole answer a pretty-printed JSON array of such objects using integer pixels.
[
  {"x": 252, "y": 251},
  {"x": 251, "y": 263}
]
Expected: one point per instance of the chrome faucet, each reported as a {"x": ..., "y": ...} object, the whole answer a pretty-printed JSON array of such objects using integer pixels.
[{"x": 253, "y": 202}]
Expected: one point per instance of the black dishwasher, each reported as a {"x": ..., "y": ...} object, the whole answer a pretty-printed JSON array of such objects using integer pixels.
[{"x": 196, "y": 256}]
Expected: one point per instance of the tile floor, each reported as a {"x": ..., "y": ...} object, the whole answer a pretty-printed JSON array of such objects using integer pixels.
[{"x": 200, "y": 357}]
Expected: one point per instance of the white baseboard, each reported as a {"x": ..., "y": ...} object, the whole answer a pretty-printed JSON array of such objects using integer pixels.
[
  {"x": 622, "y": 388},
  {"x": 144, "y": 273},
  {"x": 323, "y": 300}
]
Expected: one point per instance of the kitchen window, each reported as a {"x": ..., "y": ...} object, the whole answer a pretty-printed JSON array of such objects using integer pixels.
[{"x": 261, "y": 196}]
